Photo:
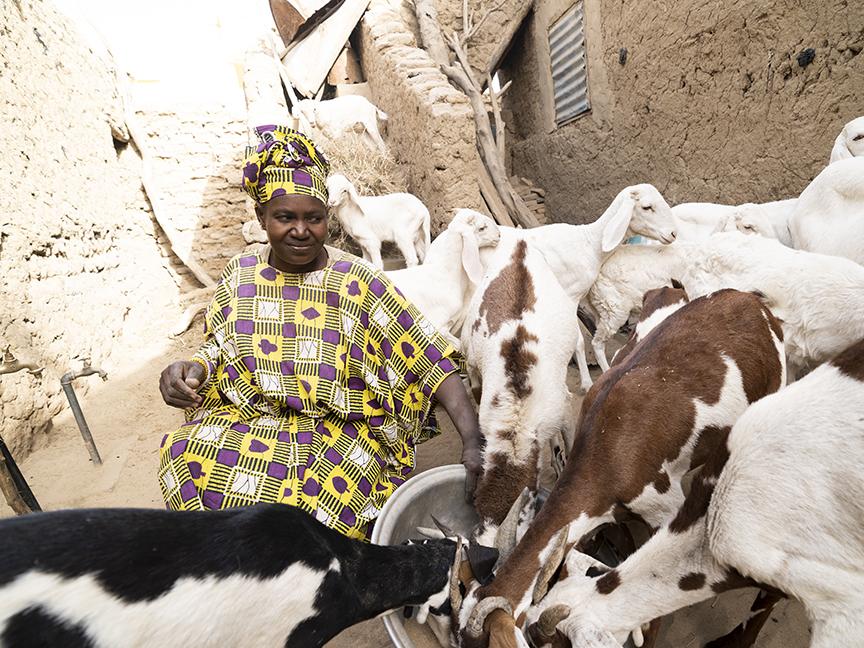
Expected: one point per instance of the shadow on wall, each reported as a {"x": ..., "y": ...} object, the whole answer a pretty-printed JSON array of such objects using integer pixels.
[{"x": 223, "y": 211}]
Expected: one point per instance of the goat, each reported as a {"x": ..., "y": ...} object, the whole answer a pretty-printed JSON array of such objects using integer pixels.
[
  {"x": 269, "y": 575},
  {"x": 400, "y": 218},
  {"x": 778, "y": 515},
  {"x": 575, "y": 253},
  {"x": 657, "y": 305},
  {"x": 644, "y": 424},
  {"x": 767, "y": 219},
  {"x": 788, "y": 506},
  {"x": 699, "y": 220},
  {"x": 850, "y": 141},
  {"x": 442, "y": 286},
  {"x": 629, "y": 273},
  {"x": 334, "y": 118},
  {"x": 817, "y": 298},
  {"x": 829, "y": 215},
  {"x": 520, "y": 332}
]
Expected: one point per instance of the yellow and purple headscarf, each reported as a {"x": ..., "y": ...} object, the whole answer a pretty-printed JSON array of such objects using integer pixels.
[{"x": 285, "y": 162}]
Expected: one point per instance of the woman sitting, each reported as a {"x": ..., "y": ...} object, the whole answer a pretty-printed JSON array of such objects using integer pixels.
[{"x": 317, "y": 378}]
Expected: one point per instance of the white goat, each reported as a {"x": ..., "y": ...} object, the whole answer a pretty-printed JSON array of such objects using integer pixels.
[
  {"x": 576, "y": 252},
  {"x": 829, "y": 215},
  {"x": 787, "y": 510},
  {"x": 817, "y": 298},
  {"x": 400, "y": 218},
  {"x": 519, "y": 334},
  {"x": 443, "y": 285},
  {"x": 769, "y": 219},
  {"x": 630, "y": 272},
  {"x": 850, "y": 141},
  {"x": 699, "y": 220},
  {"x": 334, "y": 118}
]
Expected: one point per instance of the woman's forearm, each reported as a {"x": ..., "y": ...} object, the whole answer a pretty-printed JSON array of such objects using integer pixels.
[{"x": 455, "y": 400}]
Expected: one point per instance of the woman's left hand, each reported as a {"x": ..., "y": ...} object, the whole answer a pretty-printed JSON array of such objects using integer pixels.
[
  {"x": 452, "y": 395},
  {"x": 472, "y": 459}
]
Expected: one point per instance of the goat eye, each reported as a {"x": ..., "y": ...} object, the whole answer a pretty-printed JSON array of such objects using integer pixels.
[{"x": 858, "y": 138}]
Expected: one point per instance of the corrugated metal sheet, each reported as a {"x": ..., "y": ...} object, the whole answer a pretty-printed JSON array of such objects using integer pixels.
[{"x": 569, "y": 65}]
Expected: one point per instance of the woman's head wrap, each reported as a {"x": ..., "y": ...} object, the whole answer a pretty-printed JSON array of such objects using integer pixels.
[{"x": 285, "y": 162}]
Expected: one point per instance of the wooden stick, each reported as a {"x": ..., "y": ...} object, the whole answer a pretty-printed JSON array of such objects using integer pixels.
[
  {"x": 500, "y": 126},
  {"x": 430, "y": 31},
  {"x": 462, "y": 76},
  {"x": 470, "y": 33},
  {"x": 10, "y": 491},
  {"x": 466, "y": 17}
]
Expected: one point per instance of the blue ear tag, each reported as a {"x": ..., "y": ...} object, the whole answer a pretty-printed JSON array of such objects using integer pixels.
[{"x": 636, "y": 240}]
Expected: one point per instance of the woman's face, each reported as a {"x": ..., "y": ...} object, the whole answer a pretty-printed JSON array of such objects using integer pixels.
[{"x": 296, "y": 227}]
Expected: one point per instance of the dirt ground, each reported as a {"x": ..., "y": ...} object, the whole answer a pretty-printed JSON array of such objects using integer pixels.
[{"x": 127, "y": 418}]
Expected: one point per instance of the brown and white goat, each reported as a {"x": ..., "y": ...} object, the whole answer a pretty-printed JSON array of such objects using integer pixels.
[
  {"x": 779, "y": 501},
  {"x": 647, "y": 421},
  {"x": 520, "y": 334},
  {"x": 657, "y": 305}
]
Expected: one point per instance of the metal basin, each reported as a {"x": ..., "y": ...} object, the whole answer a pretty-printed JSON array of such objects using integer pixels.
[{"x": 439, "y": 492}]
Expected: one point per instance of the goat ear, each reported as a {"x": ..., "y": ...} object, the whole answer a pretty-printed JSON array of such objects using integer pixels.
[
  {"x": 840, "y": 150},
  {"x": 616, "y": 227},
  {"x": 471, "y": 256},
  {"x": 482, "y": 560}
]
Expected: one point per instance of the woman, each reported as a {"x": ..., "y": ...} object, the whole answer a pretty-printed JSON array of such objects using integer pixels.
[{"x": 317, "y": 378}]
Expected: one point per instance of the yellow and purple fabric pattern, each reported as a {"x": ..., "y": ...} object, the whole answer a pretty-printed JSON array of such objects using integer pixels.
[
  {"x": 319, "y": 387},
  {"x": 285, "y": 162}
]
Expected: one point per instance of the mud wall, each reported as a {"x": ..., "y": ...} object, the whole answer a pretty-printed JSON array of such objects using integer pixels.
[
  {"x": 431, "y": 128},
  {"x": 711, "y": 104},
  {"x": 81, "y": 270},
  {"x": 197, "y": 166}
]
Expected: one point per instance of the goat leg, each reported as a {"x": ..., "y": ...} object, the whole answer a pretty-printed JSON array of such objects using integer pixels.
[{"x": 747, "y": 632}]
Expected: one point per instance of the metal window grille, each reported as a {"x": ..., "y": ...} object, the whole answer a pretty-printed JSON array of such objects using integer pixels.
[{"x": 569, "y": 65}]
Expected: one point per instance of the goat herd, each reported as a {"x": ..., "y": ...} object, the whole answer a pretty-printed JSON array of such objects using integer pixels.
[{"x": 690, "y": 458}]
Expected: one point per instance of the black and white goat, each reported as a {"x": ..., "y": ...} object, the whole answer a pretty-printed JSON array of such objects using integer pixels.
[{"x": 268, "y": 575}]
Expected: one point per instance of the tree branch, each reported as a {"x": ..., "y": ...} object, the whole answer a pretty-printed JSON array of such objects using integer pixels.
[
  {"x": 463, "y": 77},
  {"x": 430, "y": 31}
]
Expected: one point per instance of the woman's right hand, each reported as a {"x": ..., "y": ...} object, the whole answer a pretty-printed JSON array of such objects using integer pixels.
[{"x": 178, "y": 383}]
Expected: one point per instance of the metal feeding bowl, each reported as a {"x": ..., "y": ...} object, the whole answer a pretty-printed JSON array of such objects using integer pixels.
[{"x": 439, "y": 492}]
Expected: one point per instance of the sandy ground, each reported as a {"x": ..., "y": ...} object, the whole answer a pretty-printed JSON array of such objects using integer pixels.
[{"x": 127, "y": 419}]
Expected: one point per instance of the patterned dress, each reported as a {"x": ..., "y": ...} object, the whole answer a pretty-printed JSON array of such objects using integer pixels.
[{"x": 319, "y": 387}]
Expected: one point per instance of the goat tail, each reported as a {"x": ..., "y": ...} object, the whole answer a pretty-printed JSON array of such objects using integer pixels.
[{"x": 586, "y": 319}]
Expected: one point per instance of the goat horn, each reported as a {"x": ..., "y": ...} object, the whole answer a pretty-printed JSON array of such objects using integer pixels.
[
  {"x": 484, "y": 608},
  {"x": 443, "y": 528},
  {"x": 505, "y": 539},
  {"x": 433, "y": 534},
  {"x": 455, "y": 594},
  {"x": 550, "y": 618},
  {"x": 552, "y": 563}
]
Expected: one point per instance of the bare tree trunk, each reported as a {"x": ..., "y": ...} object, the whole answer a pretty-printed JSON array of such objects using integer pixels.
[
  {"x": 430, "y": 32},
  {"x": 460, "y": 73}
]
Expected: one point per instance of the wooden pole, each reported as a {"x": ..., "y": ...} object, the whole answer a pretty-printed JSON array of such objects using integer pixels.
[{"x": 463, "y": 77}]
